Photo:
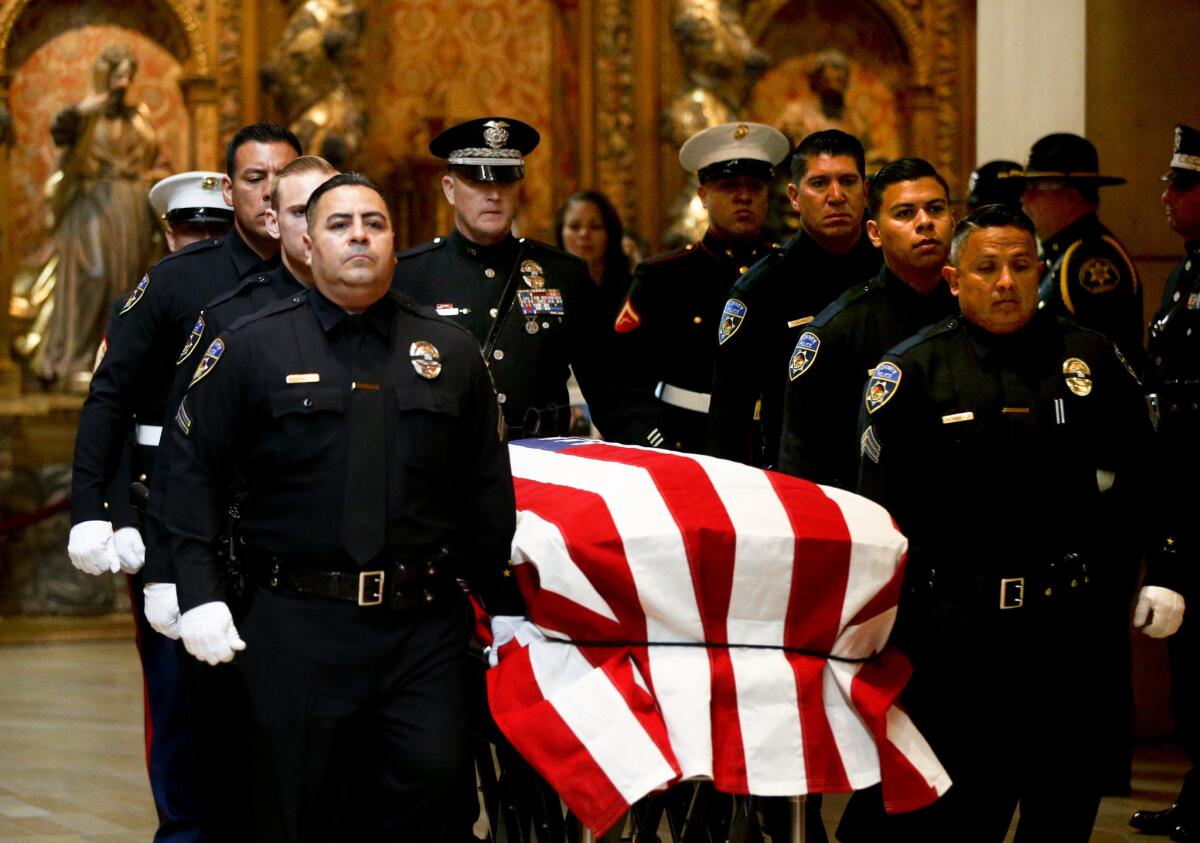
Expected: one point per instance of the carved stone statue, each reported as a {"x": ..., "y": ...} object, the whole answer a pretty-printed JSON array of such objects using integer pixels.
[
  {"x": 105, "y": 234},
  {"x": 829, "y": 79},
  {"x": 307, "y": 77},
  {"x": 721, "y": 64}
]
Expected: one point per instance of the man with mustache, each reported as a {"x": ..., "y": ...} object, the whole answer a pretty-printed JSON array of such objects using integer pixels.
[
  {"x": 673, "y": 316},
  {"x": 1003, "y": 441},
  {"x": 367, "y": 433},
  {"x": 910, "y": 222}
]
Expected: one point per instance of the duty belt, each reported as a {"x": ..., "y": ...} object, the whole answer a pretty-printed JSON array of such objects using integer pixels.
[
  {"x": 686, "y": 399},
  {"x": 1068, "y": 576},
  {"x": 400, "y": 587}
]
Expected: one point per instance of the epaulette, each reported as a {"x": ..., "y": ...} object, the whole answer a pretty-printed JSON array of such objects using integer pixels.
[
  {"x": 245, "y": 285},
  {"x": 759, "y": 269},
  {"x": 273, "y": 309},
  {"x": 428, "y": 246},
  {"x": 842, "y": 302},
  {"x": 191, "y": 249},
  {"x": 950, "y": 323},
  {"x": 426, "y": 311},
  {"x": 674, "y": 254}
]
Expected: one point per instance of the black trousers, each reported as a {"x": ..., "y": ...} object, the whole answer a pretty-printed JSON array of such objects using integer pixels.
[
  {"x": 357, "y": 717},
  {"x": 1183, "y": 651}
]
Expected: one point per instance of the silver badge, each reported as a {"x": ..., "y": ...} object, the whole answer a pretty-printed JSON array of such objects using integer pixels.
[
  {"x": 495, "y": 133},
  {"x": 531, "y": 326},
  {"x": 425, "y": 359},
  {"x": 533, "y": 274}
]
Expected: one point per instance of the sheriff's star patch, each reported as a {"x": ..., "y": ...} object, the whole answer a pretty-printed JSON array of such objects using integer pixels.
[{"x": 1099, "y": 275}]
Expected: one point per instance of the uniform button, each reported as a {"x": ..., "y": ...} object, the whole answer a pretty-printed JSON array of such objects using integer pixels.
[
  {"x": 437, "y": 240},
  {"x": 501, "y": 398},
  {"x": 1157, "y": 361},
  {"x": 1187, "y": 265},
  {"x": 1189, "y": 332},
  {"x": 1048, "y": 592},
  {"x": 696, "y": 320},
  {"x": 489, "y": 272},
  {"x": 1176, "y": 296},
  {"x": 498, "y": 354},
  {"x": 295, "y": 299},
  {"x": 545, "y": 324},
  {"x": 493, "y": 313},
  {"x": 307, "y": 402},
  {"x": 742, "y": 270},
  {"x": 142, "y": 477}
]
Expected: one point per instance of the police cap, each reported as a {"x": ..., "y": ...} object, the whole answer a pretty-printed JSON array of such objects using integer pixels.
[
  {"x": 487, "y": 149},
  {"x": 192, "y": 197},
  {"x": 1066, "y": 157},
  {"x": 995, "y": 183},
  {"x": 1185, "y": 162},
  {"x": 734, "y": 149}
]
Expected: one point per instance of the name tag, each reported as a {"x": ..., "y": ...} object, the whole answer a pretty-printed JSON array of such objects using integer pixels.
[
  {"x": 547, "y": 302},
  {"x": 803, "y": 320},
  {"x": 451, "y": 310},
  {"x": 306, "y": 377},
  {"x": 958, "y": 417},
  {"x": 1024, "y": 411}
]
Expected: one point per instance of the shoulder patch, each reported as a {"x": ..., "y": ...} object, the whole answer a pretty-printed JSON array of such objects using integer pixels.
[
  {"x": 1098, "y": 275},
  {"x": 421, "y": 248},
  {"x": 209, "y": 361},
  {"x": 135, "y": 295},
  {"x": 868, "y": 445},
  {"x": 192, "y": 341},
  {"x": 885, "y": 380},
  {"x": 731, "y": 320},
  {"x": 804, "y": 355}
]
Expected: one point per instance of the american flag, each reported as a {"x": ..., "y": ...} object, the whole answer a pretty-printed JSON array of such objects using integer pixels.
[{"x": 628, "y": 544}]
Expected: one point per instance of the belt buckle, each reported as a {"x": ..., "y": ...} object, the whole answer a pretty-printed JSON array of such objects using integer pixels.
[
  {"x": 372, "y": 580},
  {"x": 1012, "y": 592}
]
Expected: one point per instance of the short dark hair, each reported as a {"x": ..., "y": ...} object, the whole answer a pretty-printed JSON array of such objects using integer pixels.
[
  {"x": 259, "y": 133},
  {"x": 894, "y": 172},
  {"x": 616, "y": 264},
  {"x": 831, "y": 142},
  {"x": 340, "y": 180},
  {"x": 987, "y": 216}
]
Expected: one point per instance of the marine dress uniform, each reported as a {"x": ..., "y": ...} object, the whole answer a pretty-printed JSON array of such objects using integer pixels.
[
  {"x": 994, "y": 454},
  {"x": 374, "y": 476},
  {"x": 777, "y": 298}
]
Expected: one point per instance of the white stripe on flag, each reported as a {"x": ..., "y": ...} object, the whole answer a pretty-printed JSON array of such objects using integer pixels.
[
  {"x": 540, "y": 542},
  {"x": 912, "y": 745}
]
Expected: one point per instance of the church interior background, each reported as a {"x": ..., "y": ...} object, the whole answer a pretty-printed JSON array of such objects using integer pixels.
[{"x": 612, "y": 85}]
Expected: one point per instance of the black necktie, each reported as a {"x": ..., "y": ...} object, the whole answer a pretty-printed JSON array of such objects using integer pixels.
[{"x": 364, "y": 514}]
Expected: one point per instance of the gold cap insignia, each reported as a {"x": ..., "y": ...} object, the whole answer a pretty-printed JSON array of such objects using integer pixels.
[
  {"x": 1078, "y": 376},
  {"x": 209, "y": 183},
  {"x": 425, "y": 359},
  {"x": 741, "y": 131}
]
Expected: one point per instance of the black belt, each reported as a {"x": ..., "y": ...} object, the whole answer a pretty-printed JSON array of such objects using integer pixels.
[
  {"x": 1063, "y": 578},
  {"x": 401, "y": 586}
]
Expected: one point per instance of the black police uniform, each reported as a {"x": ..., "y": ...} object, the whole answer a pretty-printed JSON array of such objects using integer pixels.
[
  {"x": 1173, "y": 381},
  {"x": 533, "y": 309},
  {"x": 669, "y": 329},
  {"x": 780, "y": 294},
  {"x": 1090, "y": 278},
  {"x": 829, "y": 363},
  {"x": 354, "y": 661},
  {"x": 990, "y": 452}
]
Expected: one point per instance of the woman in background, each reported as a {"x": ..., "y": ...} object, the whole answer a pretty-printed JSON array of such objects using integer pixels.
[{"x": 589, "y": 227}]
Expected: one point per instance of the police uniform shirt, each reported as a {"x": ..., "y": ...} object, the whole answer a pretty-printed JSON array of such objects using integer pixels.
[
  {"x": 551, "y": 323},
  {"x": 670, "y": 326},
  {"x": 256, "y": 292},
  {"x": 1090, "y": 278},
  {"x": 830, "y": 361},
  {"x": 135, "y": 375},
  {"x": 271, "y": 399},
  {"x": 769, "y": 307}
]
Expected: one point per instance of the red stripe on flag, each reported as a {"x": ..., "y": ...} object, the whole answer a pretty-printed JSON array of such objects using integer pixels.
[{"x": 820, "y": 567}]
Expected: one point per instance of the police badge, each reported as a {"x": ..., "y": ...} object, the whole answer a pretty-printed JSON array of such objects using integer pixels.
[
  {"x": 192, "y": 341},
  {"x": 806, "y": 352},
  {"x": 533, "y": 275},
  {"x": 731, "y": 320},
  {"x": 885, "y": 380},
  {"x": 425, "y": 359},
  {"x": 1099, "y": 275},
  {"x": 1078, "y": 376}
]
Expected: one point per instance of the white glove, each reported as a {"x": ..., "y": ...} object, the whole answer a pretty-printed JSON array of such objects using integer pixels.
[
  {"x": 131, "y": 550},
  {"x": 504, "y": 629},
  {"x": 209, "y": 634},
  {"x": 91, "y": 549},
  {"x": 162, "y": 608},
  {"x": 1160, "y": 606}
]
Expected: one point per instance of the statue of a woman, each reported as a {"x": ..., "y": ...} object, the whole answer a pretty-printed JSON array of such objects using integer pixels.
[{"x": 105, "y": 234}]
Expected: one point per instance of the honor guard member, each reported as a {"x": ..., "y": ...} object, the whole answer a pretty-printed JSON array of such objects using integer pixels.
[
  {"x": 1088, "y": 275},
  {"x": 784, "y": 291},
  {"x": 995, "y": 183},
  {"x": 131, "y": 383},
  {"x": 910, "y": 223},
  {"x": 992, "y": 438},
  {"x": 290, "y": 190},
  {"x": 531, "y": 307},
  {"x": 1173, "y": 383},
  {"x": 673, "y": 316},
  {"x": 192, "y": 207},
  {"x": 367, "y": 431}
]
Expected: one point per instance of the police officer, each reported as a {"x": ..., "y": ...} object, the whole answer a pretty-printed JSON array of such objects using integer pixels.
[
  {"x": 911, "y": 223},
  {"x": 1088, "y": 275},
  {"x": 673, "y": 317},
  {"x": 997, "y": 182},
  {"x": 532, "y": 308},
  {"x": 784, "y": 291},
  {"x": 1173, "y": 381},
  {"x": 992, "y": 438},
  {"x": 290, "y": 190},
  {"x": 367, "y": 434}
]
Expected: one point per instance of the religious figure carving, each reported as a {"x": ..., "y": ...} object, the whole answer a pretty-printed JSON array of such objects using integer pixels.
[
  {"x": 105, "y": 234},
  {"x": 829, "y": 79},
  {"x": 721, "y": 64},
  {"x": 307, "y": 77}
]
